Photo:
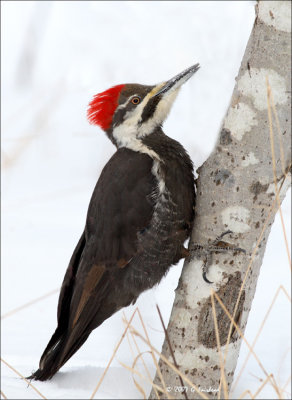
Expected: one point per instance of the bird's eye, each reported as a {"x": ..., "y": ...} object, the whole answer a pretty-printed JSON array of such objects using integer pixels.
[{"x": 135, "y": 100}]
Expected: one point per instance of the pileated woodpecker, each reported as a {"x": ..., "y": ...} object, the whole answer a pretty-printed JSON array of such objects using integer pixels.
[{"x": 140, "y": 214}]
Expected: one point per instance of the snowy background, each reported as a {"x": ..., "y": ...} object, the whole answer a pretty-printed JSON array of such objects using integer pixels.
[{"x": 55, "y": 56}]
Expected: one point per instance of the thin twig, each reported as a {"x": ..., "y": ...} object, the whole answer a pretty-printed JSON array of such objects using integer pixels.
[{"x": 171, "y": 349}]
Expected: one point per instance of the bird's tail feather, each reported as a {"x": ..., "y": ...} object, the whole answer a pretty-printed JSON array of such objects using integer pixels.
[
  {"x": 49, "y": 362},
  {"x": 56, "y": 354}
]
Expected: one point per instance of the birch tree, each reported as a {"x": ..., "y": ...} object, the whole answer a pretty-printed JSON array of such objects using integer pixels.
[{"x": 240, "y": 188}]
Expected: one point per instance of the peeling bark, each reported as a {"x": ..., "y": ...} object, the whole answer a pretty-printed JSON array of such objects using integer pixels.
[{"x": 235, "y": 191}]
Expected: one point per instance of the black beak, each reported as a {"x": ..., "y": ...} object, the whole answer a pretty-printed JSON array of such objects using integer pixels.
[{"x": 178, "y": 80}]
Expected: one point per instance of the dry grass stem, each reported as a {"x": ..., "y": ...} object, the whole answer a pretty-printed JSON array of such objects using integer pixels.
[
  {"x": 112, "y": 357},
  {"x": 269, "y": 95},
  {"x": 3, "y": 395},
  {"x": 30, "y": 303},
  {"x": 248, "y": 269},
  {"x": 153, "y": 355},
  {"x": 134, "y": 371},
  {"x": 275, "y": 386},
  {"x": 144, "y": 364},
  {"x": 258, "y": 333},
  {"x": 27, "y": 381},
  {"x": 141, "y": 390},
  {"x": 243, "y": 395},
  {"x": 171, "y": 349},
  {"x": 129, "y": 342},
  {"x": 244, "y": 280},
  {"x": 268, "y": 379},
  {"x": 222, "y": 369},
  {"x": 276, "y": 201},
  {"x": 283, "y": 389},
  {"x": 163, "y": 358},
  {"x": 140, "y": 355}
]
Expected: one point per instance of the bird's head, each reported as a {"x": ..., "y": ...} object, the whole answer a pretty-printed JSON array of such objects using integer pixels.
[{"x": 130, "y": 112}]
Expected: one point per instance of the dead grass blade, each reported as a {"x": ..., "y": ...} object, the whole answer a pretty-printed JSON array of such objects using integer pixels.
[
  {"x": 112, "y": 357},
  {"x": 138, "y": 386},
  {"x": 269, "y": 99},
  {"x": 134, "y": 371},
  {"x": 163, "y": 358},
  {"x": 259, "y": 332},
  {"x": 275, "y": 386},
  {"x": 30, "y": 303},
  {"x": 21, "y": 376},
  {"x": 3, "y": 395},
  {"x": 283, "y": 389},
  {"x": 276, "y": 201},
  {"x": 243, "y": 395},
  {"x": 144, "y": 364},
  {"x": 222, "y": 369},
  {"x": 153, "y": 355},
  {"x": 171, "y": 349},
  {"x": 268, "y": 379},
  {"x": 247, "y": 271},
  {"x": 140, "y": 355}
]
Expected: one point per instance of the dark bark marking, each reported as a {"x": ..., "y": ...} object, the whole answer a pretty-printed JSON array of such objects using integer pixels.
[
  {"x": 225, "y": 137},
  {"x": 222, "y": 176},
  {"x": 256, "y": 188},
  {"x": 228, "y": 294}
]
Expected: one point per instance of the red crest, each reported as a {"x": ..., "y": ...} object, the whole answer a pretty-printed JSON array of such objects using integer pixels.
[{"x": 102, "y": 107}]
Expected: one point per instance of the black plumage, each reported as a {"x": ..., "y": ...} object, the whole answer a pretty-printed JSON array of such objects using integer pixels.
[{"x": 140, "y": 214}]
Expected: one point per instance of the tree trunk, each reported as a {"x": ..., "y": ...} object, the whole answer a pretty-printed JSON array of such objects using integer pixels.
[{"x": 235, "y": 191}]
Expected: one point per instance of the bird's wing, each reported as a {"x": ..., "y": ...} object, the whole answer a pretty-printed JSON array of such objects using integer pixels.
[{"x": 121, "y": 206}]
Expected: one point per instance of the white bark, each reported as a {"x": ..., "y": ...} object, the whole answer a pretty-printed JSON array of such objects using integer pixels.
[{"x": 236, "y": 191}]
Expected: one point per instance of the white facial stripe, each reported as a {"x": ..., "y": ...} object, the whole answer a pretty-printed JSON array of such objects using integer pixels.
[
  {"x": 127, "y": 102},
  {"x": 134, "y": 117},
  {"x": 159, "y": 115},
  {"x": 123, "y": 105},
  {"x": 129, "y": 133}
]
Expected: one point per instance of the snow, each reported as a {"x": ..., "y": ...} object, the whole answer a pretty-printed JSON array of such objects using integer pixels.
[{"x": 56, "y": 55}]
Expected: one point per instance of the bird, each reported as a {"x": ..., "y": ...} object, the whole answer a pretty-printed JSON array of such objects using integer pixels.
[{"x": 139, "y": 217}]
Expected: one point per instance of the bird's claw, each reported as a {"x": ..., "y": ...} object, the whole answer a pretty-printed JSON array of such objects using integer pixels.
[
  {"x": 217, "y": 246},
  {"x": 205, "y": 276}
]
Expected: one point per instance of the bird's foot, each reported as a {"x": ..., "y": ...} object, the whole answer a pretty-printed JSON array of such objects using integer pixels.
[{"x": 206, "y": 251}]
